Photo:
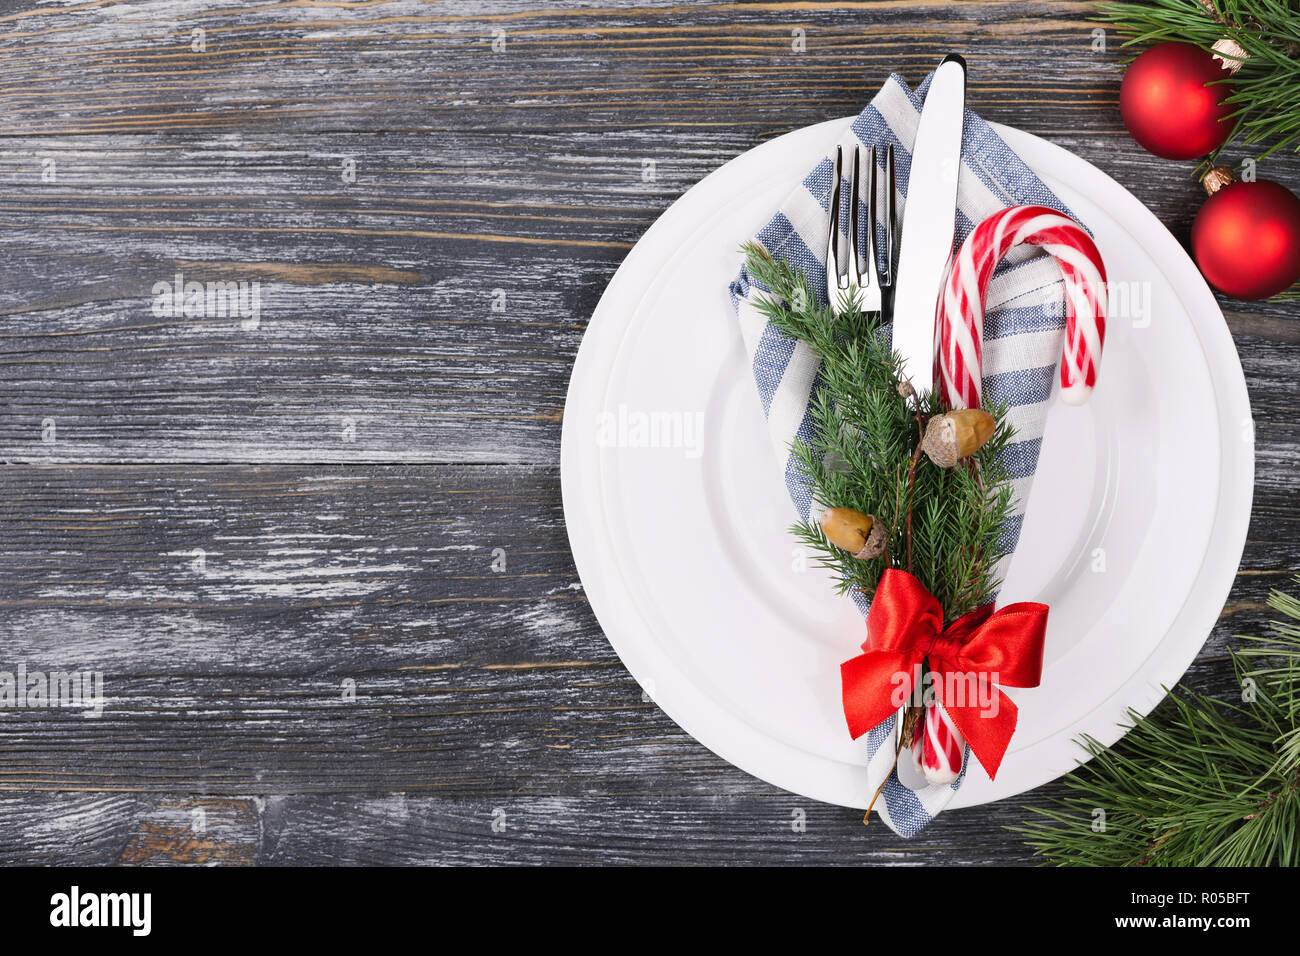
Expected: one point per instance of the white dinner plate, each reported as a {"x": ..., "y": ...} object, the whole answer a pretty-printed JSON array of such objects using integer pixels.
[{"x": 678, "y": 516}]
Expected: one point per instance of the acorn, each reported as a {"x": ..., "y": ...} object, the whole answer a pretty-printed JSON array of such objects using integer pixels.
[
  {"x": 955, "y": 435},
  {"x": 860, "y": 535}
]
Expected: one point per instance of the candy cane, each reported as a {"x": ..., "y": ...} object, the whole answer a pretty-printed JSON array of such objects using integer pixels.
[
  {"x": 937, "y": 746},
  {"x": 961, "y": 310}
]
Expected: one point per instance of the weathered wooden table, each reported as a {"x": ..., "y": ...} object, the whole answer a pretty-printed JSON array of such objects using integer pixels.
[{"x": 275, "y": 532}]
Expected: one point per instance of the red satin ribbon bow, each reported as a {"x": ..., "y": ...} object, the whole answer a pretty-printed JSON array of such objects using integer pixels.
[{"x": 968, "y": 659}]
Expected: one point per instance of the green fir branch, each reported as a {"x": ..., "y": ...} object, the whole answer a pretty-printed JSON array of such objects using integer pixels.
[
  {"x": 1266, "y": 89},
  {"x": 865, "y": 435},
  {"x": 1200, "y": 781}
]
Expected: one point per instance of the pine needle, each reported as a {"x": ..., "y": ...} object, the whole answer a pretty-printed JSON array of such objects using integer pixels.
[
  {"x": 1200, "y": 781},
  {"x": 864, "y": 436},
  {"x": 1266, "y": 89}
]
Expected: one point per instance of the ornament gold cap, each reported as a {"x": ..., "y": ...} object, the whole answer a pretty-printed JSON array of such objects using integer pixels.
[
  {"x": 1230, "y": 54},
  {"x": 1217, "y": 178}
]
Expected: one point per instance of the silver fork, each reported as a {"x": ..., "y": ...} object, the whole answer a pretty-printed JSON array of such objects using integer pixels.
[{"x": 875, "y": 282}]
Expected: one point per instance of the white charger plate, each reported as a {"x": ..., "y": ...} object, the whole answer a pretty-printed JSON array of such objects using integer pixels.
[{"x": 1134, "y": 531}]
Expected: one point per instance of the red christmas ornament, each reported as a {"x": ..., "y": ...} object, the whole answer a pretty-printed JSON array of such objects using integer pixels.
[
  {"x": 1246, "y": 238},
  {"x": 1167, "y": 105}
]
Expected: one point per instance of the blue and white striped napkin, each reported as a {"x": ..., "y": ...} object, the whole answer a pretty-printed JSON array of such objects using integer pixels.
[{"x": 1023, "y": 327}]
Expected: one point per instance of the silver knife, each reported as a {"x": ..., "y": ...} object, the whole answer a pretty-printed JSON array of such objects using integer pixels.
[
  {"x": 929, "y": 220},
  {"x": 929, "y": 225}
]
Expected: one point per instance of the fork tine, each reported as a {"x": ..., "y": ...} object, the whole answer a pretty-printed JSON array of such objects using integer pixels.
[
  {"x": 891, "y": 217},
  {"x": 854, "y": 270},
  {"x": 870, "y": 278},
  {"x": 833, "y": 235},
  {"x": 872, "y": 275}
]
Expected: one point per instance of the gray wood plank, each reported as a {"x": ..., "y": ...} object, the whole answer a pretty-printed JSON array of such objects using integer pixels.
[
  {"x": 228, "y": 607},
  {"x": 410, "y": 65},
  {"x": 377, "y": 294},
  {"x": 378, "y": 337}
]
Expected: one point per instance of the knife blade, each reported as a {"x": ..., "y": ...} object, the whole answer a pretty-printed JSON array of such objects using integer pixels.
[{"x": 929, "y": 220}]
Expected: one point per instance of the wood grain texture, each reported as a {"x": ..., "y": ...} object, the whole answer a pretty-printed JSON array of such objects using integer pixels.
[{"x": 239, "y": 526}]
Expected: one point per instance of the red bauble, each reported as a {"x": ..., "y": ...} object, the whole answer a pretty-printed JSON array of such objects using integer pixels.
[
  {"x": 1246, "y": 239},
  {"x": 1167, "y": 105}
]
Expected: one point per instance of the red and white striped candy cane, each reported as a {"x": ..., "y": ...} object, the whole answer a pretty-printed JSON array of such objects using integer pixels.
[
  {"x": 961, "y": 310},
  {"x": 937, "y": 746}
]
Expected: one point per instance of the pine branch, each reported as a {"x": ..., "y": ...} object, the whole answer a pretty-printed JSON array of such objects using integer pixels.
[
  {"x": 1199, "y": 782},
  {"x": 861, "y": 455},
  {"x": 1266, "y": 89}
]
